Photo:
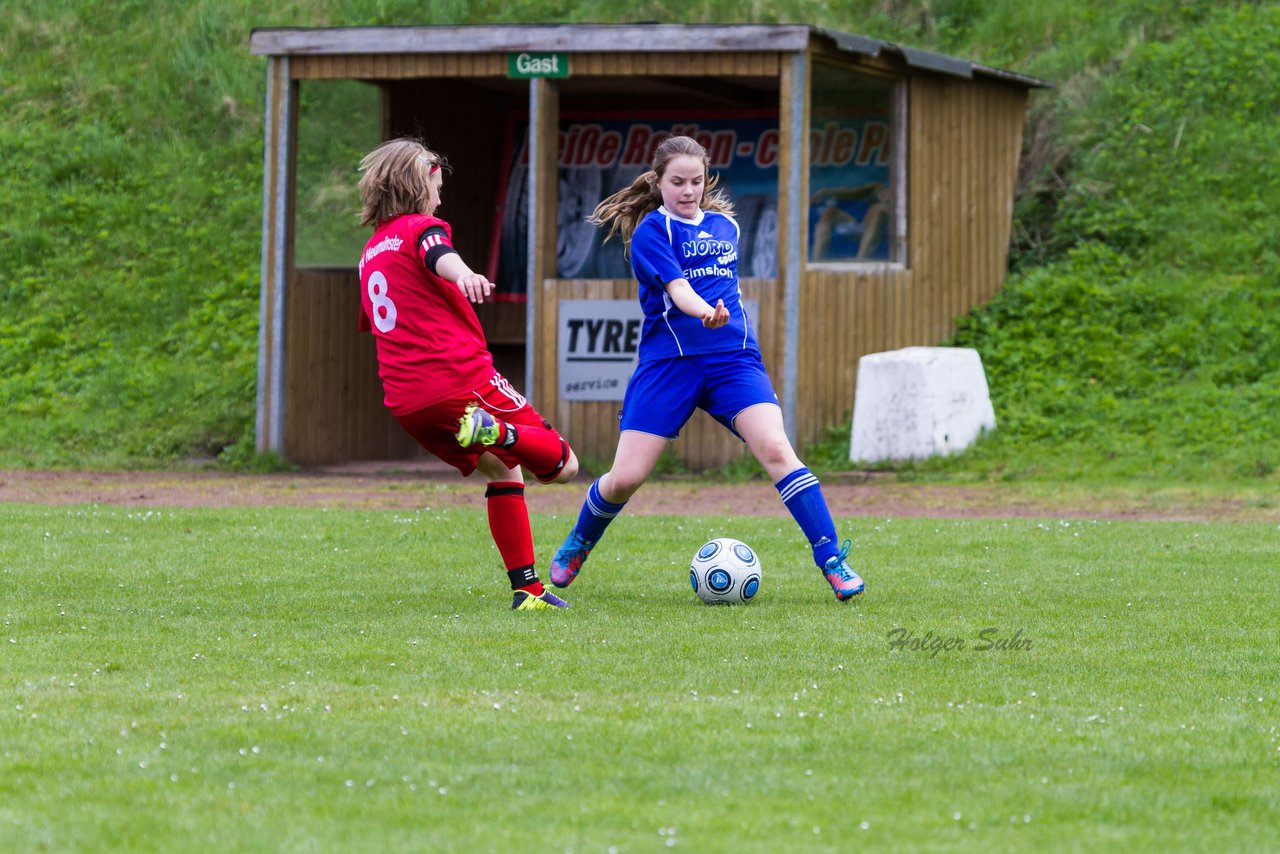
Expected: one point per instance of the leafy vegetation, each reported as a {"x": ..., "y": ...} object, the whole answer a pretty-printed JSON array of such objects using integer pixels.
[
  {"x": 1148, "y": 343},
  {"x": 1140, "y": 333},
  {"x": 1137, "y": 335}
]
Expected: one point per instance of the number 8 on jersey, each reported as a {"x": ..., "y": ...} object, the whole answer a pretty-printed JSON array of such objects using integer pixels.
[{"x": 384, "y": 310}]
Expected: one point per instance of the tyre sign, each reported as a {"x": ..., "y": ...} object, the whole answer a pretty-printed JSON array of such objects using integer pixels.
[
  {"x": 596, "y": 347},
  {"x": 597, "y": 344}
]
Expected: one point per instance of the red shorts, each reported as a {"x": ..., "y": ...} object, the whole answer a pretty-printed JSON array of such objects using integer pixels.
[{"x": 436, "y": 427}]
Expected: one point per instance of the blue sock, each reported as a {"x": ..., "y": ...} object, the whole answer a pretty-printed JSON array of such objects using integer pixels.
[
  {"x": 802, "y": 494},
  {"x": 596, "y": 514}
]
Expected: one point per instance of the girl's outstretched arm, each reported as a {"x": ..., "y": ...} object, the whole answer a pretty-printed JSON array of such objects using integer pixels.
[{"x": 688, "y": 301}]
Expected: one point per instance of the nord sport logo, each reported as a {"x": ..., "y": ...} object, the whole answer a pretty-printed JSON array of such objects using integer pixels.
[{"x": 696, "y": 248}]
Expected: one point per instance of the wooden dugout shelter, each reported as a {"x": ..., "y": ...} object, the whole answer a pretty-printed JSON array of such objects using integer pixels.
[{"x": 880, "y": 210}]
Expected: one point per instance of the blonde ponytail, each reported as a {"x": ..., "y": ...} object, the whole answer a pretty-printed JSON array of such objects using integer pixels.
[{"x": 622, "y": 211}]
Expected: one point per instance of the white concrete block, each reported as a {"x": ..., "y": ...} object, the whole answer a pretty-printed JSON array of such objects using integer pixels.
[{"x": 919, "y": 402}]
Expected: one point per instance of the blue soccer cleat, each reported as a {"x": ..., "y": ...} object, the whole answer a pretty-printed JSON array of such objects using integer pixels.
[
  {"x": 569, "y": 559},
  {"x": 843, "y": 580}
]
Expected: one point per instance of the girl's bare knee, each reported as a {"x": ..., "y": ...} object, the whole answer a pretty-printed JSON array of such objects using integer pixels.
[
  {"x": 777, "y": 454},
  {"x": 570, "y": 470},
  {"x": 620, "y": 488}
]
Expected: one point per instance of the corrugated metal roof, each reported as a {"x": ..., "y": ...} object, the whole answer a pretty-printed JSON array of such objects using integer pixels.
[
  {"x": 603, "y": 38},
  {"x": 916, "y": 58}
]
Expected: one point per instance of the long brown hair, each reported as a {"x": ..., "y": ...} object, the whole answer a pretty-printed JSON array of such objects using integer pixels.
[
  {"x": 395, "y": 180},
  {"x": 622, "y": 211}
]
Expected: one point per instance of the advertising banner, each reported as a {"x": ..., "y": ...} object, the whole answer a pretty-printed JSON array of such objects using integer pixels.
[
  {"x": 597, "y": 345},
  {"x": 601, "y": 155},
  {"x": 850, "y": 193},
  {"x": 850, "y": 203}
]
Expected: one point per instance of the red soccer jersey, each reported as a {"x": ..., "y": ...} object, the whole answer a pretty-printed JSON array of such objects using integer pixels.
[{"x": 430, "y": 344}]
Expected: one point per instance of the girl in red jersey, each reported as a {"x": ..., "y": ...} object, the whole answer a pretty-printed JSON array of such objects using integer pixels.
[{"x": 437, "y": 373}]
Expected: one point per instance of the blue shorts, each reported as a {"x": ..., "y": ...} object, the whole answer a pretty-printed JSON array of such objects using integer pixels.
[{"x": 662, "y": 395}]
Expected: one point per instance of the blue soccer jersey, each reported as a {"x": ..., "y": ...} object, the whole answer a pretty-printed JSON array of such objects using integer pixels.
[{"x": 703, "y": 251}]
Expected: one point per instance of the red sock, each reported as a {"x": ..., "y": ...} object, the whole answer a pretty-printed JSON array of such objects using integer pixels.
[
  {"x": 539, "y": 449},
  {"x": 509, "y": 524}
]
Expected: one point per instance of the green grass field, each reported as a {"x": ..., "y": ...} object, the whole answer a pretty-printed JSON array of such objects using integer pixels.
[{"x": 323, "y": 680}]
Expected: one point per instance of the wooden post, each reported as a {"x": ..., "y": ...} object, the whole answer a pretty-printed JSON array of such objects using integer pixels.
[
  {"x": 793, "y": 204},
  {"x": 277, "y": 202},
  {"x": 543, "y": 201}
]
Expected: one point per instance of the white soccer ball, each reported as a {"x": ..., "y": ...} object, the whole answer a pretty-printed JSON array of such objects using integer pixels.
[{"x": 725, "y": 572}]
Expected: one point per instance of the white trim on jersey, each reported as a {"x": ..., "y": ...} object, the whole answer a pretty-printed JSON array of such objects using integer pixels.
[
  {"x": 662, "y": 209},
  {"x": 667, "y": 306},
  {"x": 666, "y": 297}
]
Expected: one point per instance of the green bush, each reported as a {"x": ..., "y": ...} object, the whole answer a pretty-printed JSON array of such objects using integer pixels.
[
  {"x": 1098, "y": 365},
  {"x": 1138, "y": 335},
  {"x": 1152, "y": 347}
]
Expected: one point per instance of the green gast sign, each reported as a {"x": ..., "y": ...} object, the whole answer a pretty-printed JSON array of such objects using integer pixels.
[{"x": 526, "y": 65}]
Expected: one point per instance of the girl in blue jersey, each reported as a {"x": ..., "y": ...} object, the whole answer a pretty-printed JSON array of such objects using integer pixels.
[{"x": 697, "y": 350}]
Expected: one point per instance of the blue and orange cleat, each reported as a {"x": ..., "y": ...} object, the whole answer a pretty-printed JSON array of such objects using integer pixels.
[
  {"x": 569, "y": 559},
  {"x": 843, "y": 580}
]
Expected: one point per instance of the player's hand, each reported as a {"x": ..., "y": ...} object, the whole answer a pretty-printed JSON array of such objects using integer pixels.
[
  {"x": 717, "y": 318},
  {"x": 475, "y": 287}
]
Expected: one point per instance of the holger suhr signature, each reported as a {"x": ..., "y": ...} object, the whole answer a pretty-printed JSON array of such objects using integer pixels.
[{"x": 988, "y": 639}]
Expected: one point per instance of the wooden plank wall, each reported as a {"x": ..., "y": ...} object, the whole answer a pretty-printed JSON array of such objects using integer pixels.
[
  {"x": 401, "y": 66},
  {"x": 964, "y": 141},
  {"x": 333, "y": 397},
  {"x": 725, "y": 64},
  {"x": 592, "y": 426},
  {"x": 843, "y": 316},
  {"x": 397, "y": 66}
]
